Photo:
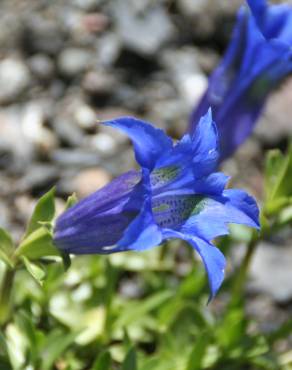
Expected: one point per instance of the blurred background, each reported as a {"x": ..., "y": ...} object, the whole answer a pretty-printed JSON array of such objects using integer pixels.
[{"x": 66, "y": 64}]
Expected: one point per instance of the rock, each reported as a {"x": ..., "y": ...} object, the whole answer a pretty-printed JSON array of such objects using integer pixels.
[
  {"x": 85, "y": 117},
  {"x": 42, "y": 66},
  {"x": 38, "y": 178},
  {"x": 95, "y": 22},
  {"x": 14, "y": 79},
  {"x": 6, "y": 155},
  {"x": 10, "y": 30},
  {"x": 32, "y": 125},
  {"x": 104, "y": 144},
  {"x": 186, "y": 74},
  {"x": 87, "y": 5},
  {"x": 89, "y": 181},
  {"x": 68, "y": 131},
  {"x": 43, "y": 35},
  {"x": 145, "y": 33},
  {"x": 275, "y": 123},
  {"x": 75, "y": 158},
  {"x": 99, "y": 82},
  {"x": 74, "y": 61},
  {"x": 4, "y": 216},
  {"x": 109, "y": 48},
  {"x": 271, "y": 271},
  {"x": 16, "y": 145}
]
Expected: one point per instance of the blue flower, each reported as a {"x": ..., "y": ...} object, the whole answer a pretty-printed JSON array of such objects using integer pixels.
[
  {"x": 258, "y": 58},
  {"x": 176, "y": 194}
]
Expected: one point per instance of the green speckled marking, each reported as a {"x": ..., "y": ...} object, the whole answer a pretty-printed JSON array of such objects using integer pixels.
[
  {"x": 171, "y": 211},
  {"x": 161, "y": 208},
  {"x": 163, "y": 175}
]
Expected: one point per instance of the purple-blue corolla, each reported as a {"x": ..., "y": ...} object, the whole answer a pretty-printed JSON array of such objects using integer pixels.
[
  {"x": 176, "y": 194},
  {"x": 258, "y": 58}
]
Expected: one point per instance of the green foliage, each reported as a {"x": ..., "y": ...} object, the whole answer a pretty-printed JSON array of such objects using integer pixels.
[
  {"x": 132, "y": 311},
  {"x": 44, "y": 212},
  {"x": 278, "y": 179},
  {"x": 6, "y": 248}
]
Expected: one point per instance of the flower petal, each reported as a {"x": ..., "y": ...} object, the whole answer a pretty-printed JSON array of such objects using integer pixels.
[
  {"x": 214, "y": 261},
  {"x": 195, "y": 156},
  {"x": 217, "y": 212},
  {"x": 100, "y": 219},
  {"x": 150, "y": 143},
  {"x": 143, "y": 233}
]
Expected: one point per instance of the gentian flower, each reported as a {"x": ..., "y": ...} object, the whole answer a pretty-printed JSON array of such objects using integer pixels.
[
  {"x": 258, "y": 58},
  {"x": 176, "y": 194}
]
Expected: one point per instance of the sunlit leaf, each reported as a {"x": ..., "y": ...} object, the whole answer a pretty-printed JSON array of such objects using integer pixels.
[
  {"x": 44, "y": 212},
  {"x": 103, "y": 362},
  {"x": 6, "y": 248},
  {"x": 130, "y": 362},
  {"x": 35, "y": 270},
  {"x": 38, "y": 244}
]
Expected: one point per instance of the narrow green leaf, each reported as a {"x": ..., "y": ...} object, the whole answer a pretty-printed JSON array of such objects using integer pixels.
[
  {"x": 130, "y": 362},
  {"x": 25, "y": 324},
  {"x": 278, "y": 177},
  {"x": 38, "y": 244},
  {"x": 137, "y": 311},
  {"x": 195, "y": 361},
  {"x": 103, "y": 362},
  {"x": 6, "y": 248},
  {"x": 35, "y": 270},
  {"x": 44, "y": 212},
  {"x": 72, "y": 199},
  {"x": 55, "y": 345}
]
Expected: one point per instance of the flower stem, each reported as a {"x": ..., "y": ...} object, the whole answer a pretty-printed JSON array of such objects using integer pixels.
[
  {"x": 5, "y": 294},
  {"x": 241, "y": 276}
]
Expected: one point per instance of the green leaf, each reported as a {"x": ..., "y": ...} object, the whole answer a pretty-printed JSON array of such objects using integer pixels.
[
  {"x": 278, "y": 178},
  {"x": 103, "y": 362},
  {"x": 72, "y": 199},
  {"x": 35, "y": 270},
  {"x": 54, "y": 346},
  {"x": 130, "y": 362},
  {"x": 6, "y": 248},
  {"x": 138, "y": 310},
  {"x": 25, "y": 324},
  {"x": 195, "y": 361},
  {"x": 38, "y": 244},
  {"x": 44, "y": 212}
]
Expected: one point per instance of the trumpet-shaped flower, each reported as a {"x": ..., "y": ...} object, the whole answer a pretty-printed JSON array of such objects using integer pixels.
[
  {"x": 258, "y": 58},
  {"x": 176, "y": 194}
]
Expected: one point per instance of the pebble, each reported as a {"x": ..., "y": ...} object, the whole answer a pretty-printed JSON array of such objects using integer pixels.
[
  {"x": 68, "y": 131},
  {"x": 87, "y": 5},
  {"x": 42, "y": 66},
  {"x": 75, "y": 158},
  {"x": 271, "y": 271},
  {"x": 109, "y": 48},
  {"x": 145, "y": 33},
  {"x": 74, "y": 61},
  {"x": 104, "y": 144},
  {"x": 14, "y": 79},
  {"x": 99, "y": 82},
  {"x": 275, "y": 124},
  {"x": 89, "y": 181},
  {"x": 32, "y": 125},
  {"x": 85, "y": 117},
  {"x": 38, "y": 178},
  {"x": 43, "y": 34}
]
